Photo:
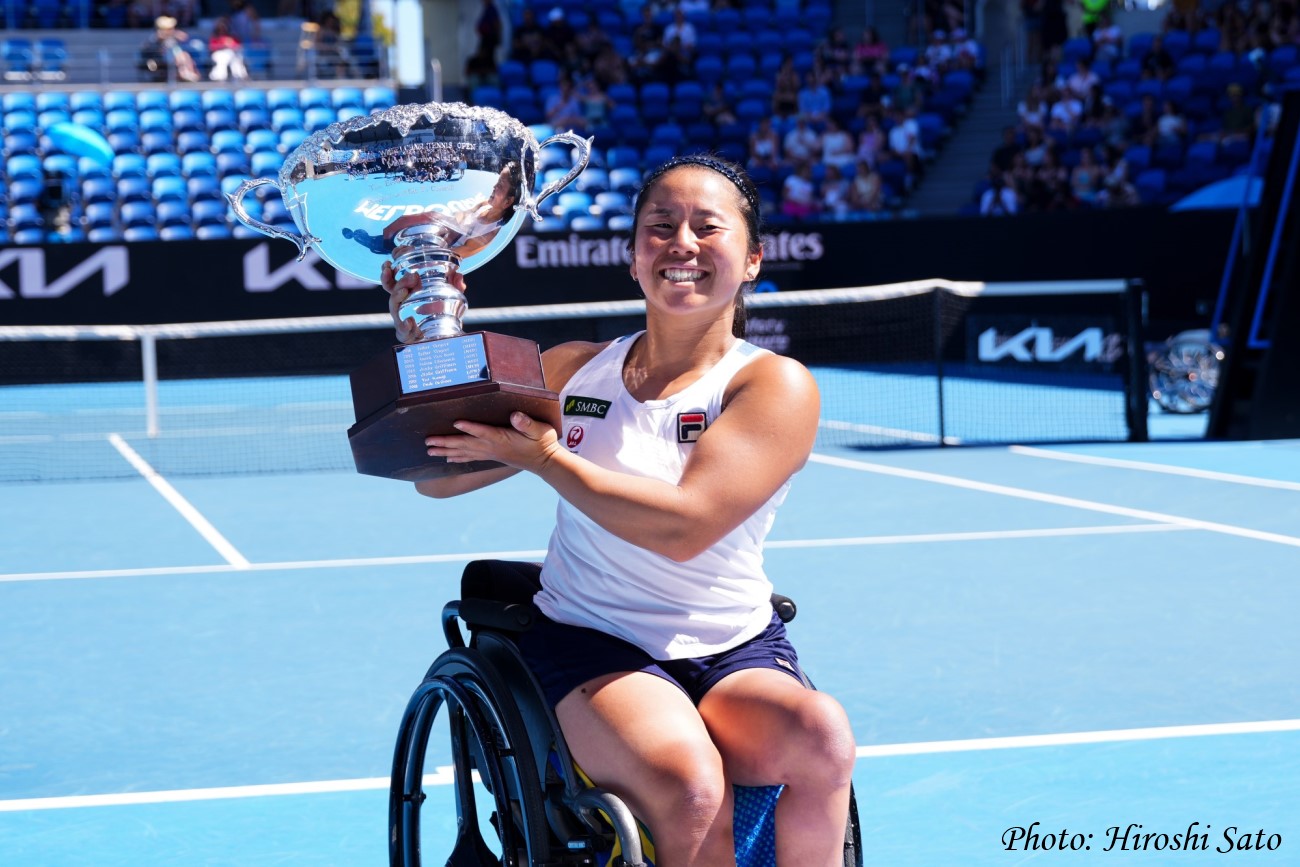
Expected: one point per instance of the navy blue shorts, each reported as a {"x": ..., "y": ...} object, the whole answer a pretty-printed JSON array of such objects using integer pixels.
[{"x": 565, "y": 657}]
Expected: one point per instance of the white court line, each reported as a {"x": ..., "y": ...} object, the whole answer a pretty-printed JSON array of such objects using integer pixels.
[
  {"x": 180, "y": 504},
  {"x": 443, "y": 775},
  {"x": 974, "y": 536},
  {"x": 416, "y": 559},
  {"x": 1146, "y": 466},
  {"x": 1055, "y": 499}
]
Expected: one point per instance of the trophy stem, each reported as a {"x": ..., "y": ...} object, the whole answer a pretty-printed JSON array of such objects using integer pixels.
[{"x": 437, "y": 306}]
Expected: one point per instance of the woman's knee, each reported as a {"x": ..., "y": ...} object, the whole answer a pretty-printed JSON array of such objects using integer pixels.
[{"x": 828, "y": 750}]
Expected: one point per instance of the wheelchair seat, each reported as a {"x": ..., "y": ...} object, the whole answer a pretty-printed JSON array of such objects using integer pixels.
[{"x": 505, "y": 736}]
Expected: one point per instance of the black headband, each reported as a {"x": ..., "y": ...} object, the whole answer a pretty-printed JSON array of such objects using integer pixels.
[{"x": 722, "y": 167}]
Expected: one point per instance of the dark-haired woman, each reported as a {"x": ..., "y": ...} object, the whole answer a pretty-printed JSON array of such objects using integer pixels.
[{"x": 670, "y": 677}]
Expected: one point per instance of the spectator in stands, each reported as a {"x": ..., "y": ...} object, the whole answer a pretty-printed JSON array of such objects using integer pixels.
[
  {"x": 673, "y": 63},
  {"x": 226, "y": 53},
  {"x": 872, "y": 98},
  {"x": 1066, "y": 112},
  {"x": 717, "y": 107},
  {"x": 1004, "y": 155},
  {"x": 1171, "y": 126},
  {"x": 799, "y": 193},
  {"x": 815, "y": 98},
  {"x": 785, "y": 89},
  {"x": 246, "y": 25},
  {"x": 1158, "y": 62},
  {"x": 1117, "y": 192},
  {"x": 905, "y": 140},
  {"x": 559, "y": 34},
  {"x": 1086, "y": 178},
  {"x": 965, "y": 52},
  {"x": 681, "y": 30},
  {"x": 938, "y": 53},
  {"x": 866, "y": 194},
  {"x": 871, "y": 54},
  {"x": 1032, "y": 109},
  {"x": 1055, "y": 27},
  {"x": 609, "y": 68},
  {"x": 1108, "y": 39},
  {"x": 801, "y": 143},
  {"x": 838, "y": 147},
  {"x": 647, "y": 30},
  {"x": 528, "y": 41},
  {"x": 1036, "y": 146},
  {"x": 482, "y": 64},
  {"x": 596, "y": 104},
  {"x": 908, "y": 93},
  {"x": 764, "y": 146},
  {"x": 871, "y": 141},
  {"x": 327, "y": 44},
  {"x": 1237, "y": 122},
  {"x": 1050, "y": 189},
  {"x": 164, "y": 56},
  {"x": 1144, "y": 126},
  {"x": 835, "y": 54},
  {"x": 591, "y": 43},
  {"x": 1082, "y": 80},
  {"x": 564, "y": 110},
  {"x": 833, "y": 194},
  {"x": 645, "y": 58},
  {"x": 999, "y": 200}
]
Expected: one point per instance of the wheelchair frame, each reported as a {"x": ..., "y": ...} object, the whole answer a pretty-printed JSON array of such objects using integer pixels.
[{"x": 501, "y": 726}]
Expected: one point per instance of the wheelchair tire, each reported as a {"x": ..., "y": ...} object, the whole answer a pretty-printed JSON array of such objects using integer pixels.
[{"x": 486, "y": 728}]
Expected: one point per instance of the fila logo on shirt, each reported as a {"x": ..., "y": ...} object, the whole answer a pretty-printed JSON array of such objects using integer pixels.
[{"x": 690, "y": 425}]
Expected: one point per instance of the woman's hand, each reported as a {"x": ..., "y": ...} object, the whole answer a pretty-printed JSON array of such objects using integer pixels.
[
  {"x": 398, "y": 291},
  {"x": 528, "y": 444}
]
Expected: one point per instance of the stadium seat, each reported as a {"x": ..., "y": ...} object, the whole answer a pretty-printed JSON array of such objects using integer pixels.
[
  {"x": 203, "y": 187},
  {"x": 140, "y": 233},
  {"x": 265, "y": 164},
  {"x": 317, "y": 118},
  {"x": 380, "y": 97},
  {"x": 587, "y": 223},
  {"x": 208, "y": 212},
  {"x": 172, "y": 213},
  {"x": 18, "y": 101},
  {"x": 212, "y": 231},
  {"x": 217, "y": 99},
  {"x": 217, "y": 119},
  {"x": 170, "y": 188},
  {"x": 157, "y": 141},
  {"x": 314, "y": 97},
  {"x": 103, "y": 234},
  {"x": 176, "y": 233},
  {"x": 228, "y": 141},
  {"x": 570, "y": 204},
  {"x": 163, "y": 165},
  {"x": 138, "y": 213},
  {"x": 98, "y": 214},
  {"x": 620, "y": 223},
  {"x": 593, "y": 180},
  {"x": 199, "y": 164},
  {"x": 611, "y": 202},
  {"x": 25, "y": 192},
  {"x": 625, "y": 179}
]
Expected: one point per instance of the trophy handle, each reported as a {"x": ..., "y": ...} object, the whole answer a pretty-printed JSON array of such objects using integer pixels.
[
  {"x": 584, "y": 155},
  {"x": 237, "y": 205}
]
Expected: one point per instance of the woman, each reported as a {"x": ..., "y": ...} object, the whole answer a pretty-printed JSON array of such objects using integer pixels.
[
  {"x": 670, "y": 679},
  {"x": 468, "y": 225}
]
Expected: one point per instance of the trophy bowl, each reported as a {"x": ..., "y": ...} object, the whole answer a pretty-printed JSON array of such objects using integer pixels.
[{"x": 438, "y": 189}]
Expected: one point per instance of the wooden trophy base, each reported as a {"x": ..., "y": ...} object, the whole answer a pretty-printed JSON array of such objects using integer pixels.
[{"x": 417, "y": 390}]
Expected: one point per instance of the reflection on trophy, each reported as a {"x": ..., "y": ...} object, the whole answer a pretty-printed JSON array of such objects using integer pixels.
[{"x": 440, "y": 189}]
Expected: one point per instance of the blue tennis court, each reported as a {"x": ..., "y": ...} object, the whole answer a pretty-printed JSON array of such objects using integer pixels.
[{"x": 1066, "y": 638}]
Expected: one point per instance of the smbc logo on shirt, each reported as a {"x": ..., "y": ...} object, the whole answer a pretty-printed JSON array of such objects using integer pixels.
[{"x": 593, "y": 407}]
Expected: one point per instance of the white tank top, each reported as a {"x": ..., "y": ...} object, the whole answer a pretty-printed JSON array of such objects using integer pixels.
[{"x": 710, "y": 603}]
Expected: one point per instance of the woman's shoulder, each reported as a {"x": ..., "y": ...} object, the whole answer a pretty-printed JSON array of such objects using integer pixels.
[{"x": 563, "y": 360}]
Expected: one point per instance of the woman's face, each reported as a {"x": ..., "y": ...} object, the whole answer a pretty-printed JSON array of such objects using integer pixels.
[
  {"x": 502, "y": 197},
  {"x": 691, "y": 250}
]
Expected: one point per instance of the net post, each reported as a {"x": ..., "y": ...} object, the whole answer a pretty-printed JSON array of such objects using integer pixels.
[
  {"x": 1135, "y": 382},
  {"x": 938, "y": 358},
  {"x": 149, "y": 363}
]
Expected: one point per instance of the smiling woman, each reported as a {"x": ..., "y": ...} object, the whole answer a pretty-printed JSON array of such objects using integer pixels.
[{"x": 657, "y": 645}]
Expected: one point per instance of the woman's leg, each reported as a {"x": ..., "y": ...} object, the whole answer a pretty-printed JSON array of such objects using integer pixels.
[
  {"x": 770, "y": 730},
  {"x": 640, "y": 737}
]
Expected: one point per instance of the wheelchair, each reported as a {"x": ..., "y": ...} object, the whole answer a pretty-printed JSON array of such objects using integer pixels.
[{"x": 506, "y": 742}]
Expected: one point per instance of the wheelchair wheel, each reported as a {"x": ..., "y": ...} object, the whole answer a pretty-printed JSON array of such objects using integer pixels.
[{"x": 487, "y": 736}]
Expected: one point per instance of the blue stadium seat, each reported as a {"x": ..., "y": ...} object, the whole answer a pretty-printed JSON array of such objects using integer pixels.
[
  {"x": 170, "y": 188},
  {"x": 140, "y": 233},
  {"x": 317, "y": 118},
  {"x": 18, "y": 101},
  {"x": 124, "y": 141},
  {"x": 217, "y": 99},
  {"x": 228, "y": 141},
  {"x": 19, "y": 121},
  {"x": 25, "y": 192},
  {"x": 620, "y": 156},
  {"x": 348, "y": 97},
  {"x": 97, "y": 191},
  {"x": 620, "y": 223},
  {"x": 189, "y": 100},
  {"x": 173, "y": 213},
  {"x": 119, "y": 100},
  {"x": 91, "y": 117},
  {"x": 658, "y": 154},
  {"x": 130, "y": 165},
  {"x": 1177, "y": 43},
  {"x": 134, "y": 189},
  {"x": 587, "y": 223},
  {"x": 291, "y": 138},
  {"x": 88, "y": 168},
  {"x": 156, "y": 141},
  {"x": 253, "y": 118},
  {"x": 611, "y": 202},
  {"x": 192, "y": 140},
  {"x": 98, "y": 214},
  {"x": 570, "y": 204},
  {"x": 232, "y": 164},
  {"x": 625, "y": 179},
  {"x": 212, "y": 231},
  {"x": 709, "y": 68},
  {"x": 314, "y": 97},
  {"x": 512, "y": 73},
  {"x": 380, "y": 97},
  {"x": 138, "y": 213},
  {"x": 207, "y": 212},
  {"x": 265, "y": 164},
  {"x": 199, "y": 164},
  {"x": 286, "y": 119},
  {"x": 216, "y": 119},
  {"x": 592, "y": 180},
  {"x": 176, "y": 233},
  {"x": 281, "y": 97},
  {"x": 203, "y": 187},
  {"x": 103, "y": 234}
]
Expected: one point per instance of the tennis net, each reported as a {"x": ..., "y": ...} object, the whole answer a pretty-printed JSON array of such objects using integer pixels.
[{"x": 931, "y": 362}]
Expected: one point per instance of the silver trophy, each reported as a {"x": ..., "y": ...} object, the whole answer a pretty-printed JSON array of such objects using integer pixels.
[{"x": 438, "y": 188}]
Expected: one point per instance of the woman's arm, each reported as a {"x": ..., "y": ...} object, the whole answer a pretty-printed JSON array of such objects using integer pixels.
[{"x": 762, "y": 437}]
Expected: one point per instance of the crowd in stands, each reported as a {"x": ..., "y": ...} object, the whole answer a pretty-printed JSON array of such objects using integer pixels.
[
  {"x": 830, "y": 127},
  {"x": 1113, "y": 123}
]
